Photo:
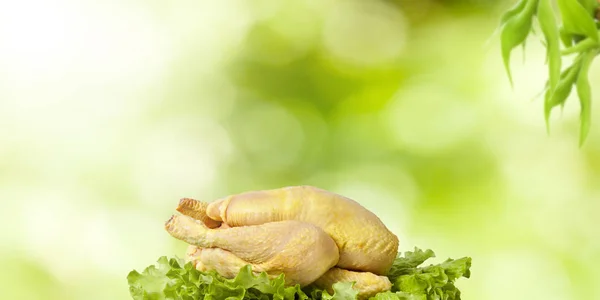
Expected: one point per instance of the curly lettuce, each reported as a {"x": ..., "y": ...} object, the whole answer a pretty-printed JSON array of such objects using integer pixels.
[{"x": 172, "y": 279}]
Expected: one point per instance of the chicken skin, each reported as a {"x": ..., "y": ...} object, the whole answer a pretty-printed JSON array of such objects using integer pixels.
[{"x": 308, "y": 234}]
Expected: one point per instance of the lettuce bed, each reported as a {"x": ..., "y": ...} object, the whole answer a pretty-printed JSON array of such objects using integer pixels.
[{"x": 172, "y": 279}]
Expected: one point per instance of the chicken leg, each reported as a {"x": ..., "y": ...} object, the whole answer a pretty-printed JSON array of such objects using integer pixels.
[{"x": 302, "y": 251}]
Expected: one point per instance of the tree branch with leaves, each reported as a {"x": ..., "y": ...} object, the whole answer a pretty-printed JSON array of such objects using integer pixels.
[{"x": 569, "y": 27}]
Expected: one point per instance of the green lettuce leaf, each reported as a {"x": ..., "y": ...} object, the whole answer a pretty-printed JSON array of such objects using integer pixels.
[
  {"x": 408, "y": 263},
  {"x": 171, "y": 279},
  {"x": 430, "y": 282},
  {"x": 398, "y": 296}
]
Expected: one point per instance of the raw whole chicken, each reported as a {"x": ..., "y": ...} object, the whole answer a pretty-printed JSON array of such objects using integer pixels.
[{"x": 311, "y": 235}]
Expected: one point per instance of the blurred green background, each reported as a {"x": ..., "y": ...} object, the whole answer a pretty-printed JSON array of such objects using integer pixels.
[{"x": 111, "y": 111}]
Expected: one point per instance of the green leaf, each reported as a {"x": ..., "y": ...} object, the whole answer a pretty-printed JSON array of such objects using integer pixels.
[
  {"x": 513, "y": 11},
  {"x": 150, "y": 283},
  {"x": 585, "y": 95},
  {"x": 341, "y": 291},
  {"x": 515, "y": 31},
  {"x": 398, "y": 296},
  {"x": 589, "y": 5},
  {"x": 454, "y": 269},
  {"x": 547, "y": 22},
  {"x": 559, "y": 95},
  {"x": 431, "y": 282},
  {"x": 169, "y": 280},
  {"x": 409, "y": 262},
  {"x": 576, "y": 19}
]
